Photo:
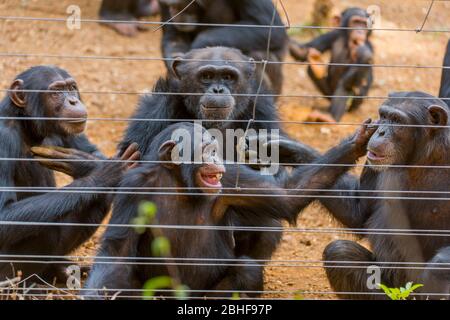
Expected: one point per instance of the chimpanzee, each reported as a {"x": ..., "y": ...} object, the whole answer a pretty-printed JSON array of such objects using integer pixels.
[
  {"x": 48, "y": 91},
  {"x": 128, "y": 11},
  {"x": 444, "y": 91},
  {"x": 183, "y": 34},
  {"x": 392, "y": 193},
  {"x": 198, "y": 200},
  {"x": 223, "y": 100},
  {"x": 348, "y": 46}
]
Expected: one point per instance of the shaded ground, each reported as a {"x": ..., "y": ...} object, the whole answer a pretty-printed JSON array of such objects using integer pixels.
[{"x": 43, "y": 37}]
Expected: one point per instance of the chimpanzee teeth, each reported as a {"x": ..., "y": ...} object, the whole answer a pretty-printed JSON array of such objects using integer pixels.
[{"x": 219, "y": 176}]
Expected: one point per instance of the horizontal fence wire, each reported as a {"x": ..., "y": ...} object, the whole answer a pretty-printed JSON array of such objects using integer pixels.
[
  {"x": 199, "y": 24},
  {"x": 158, "y": 59},
  {"x": 157, "y": 93},
  {"x": 356, "y": 231}
]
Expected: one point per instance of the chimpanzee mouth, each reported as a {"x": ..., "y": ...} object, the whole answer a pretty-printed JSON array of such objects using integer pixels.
[
  {"x": 77, "y": 121},
  {"x": 375, "y": 157},
  {"x": 211, "y": 176}
]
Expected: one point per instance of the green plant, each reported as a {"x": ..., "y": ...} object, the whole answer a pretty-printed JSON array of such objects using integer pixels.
[{"x": 401, "y": 293}]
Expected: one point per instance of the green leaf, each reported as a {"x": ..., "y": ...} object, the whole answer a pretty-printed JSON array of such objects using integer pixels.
[
  {"x": 161, "y": 247},
  {"x": 408, "y": 285},
  {"x": 139, "y": 221},
  {"x": 181, "y": 291},
  {"x": 154, "y": 284},
  {"x": 416, "y": 286},
  {"x": 147, "y": 210},
  {"x": 235, "y": 296}
]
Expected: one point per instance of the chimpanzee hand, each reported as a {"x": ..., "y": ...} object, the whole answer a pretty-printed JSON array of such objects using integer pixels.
[
  {"x": 362, "y": 136},
  {"x": 70, "y": 161},
  {"x": 65, "y": 160},
  {"x": 110, "y": 173},
  {"x": 298, "y": 51},
  {"x": 287, "y": 149}
]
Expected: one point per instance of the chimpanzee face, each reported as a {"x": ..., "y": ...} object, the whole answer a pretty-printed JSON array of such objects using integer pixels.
[
  {"x": 402, "y": 133},
  {"x": 209, "y": 173},
  {"x": 390, "y": 144},
  {"x": 193, "y": 157},
  {"x": 357, "y": 37},
  {"x": 64, "y": 102},
  {"x": 61, "y": 101},
  {"x": 216, "y": 84},
  {"x": 184, "y": 13}
]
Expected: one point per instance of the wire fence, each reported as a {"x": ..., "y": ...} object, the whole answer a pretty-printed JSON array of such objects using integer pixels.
[{"x": 20, "y": 287}]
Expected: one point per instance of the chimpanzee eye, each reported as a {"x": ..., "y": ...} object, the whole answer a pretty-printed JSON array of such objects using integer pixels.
[
  {"x": 73, "y": 87},
  {"x": 207, "y": 76},
  {"x": 228, "y": 77}
]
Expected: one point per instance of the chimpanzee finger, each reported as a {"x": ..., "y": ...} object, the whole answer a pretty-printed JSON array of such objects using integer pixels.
[
  {"x": 132, "y": 148},
  {"x": 134, "y": 157},
  {"x": 48, "y": 152},
  {"x": 56, "y": 166},
  {"x": 73, "y": 153}
]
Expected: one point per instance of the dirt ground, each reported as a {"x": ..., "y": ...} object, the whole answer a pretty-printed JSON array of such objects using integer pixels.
[{"x": 43, "y": 37}]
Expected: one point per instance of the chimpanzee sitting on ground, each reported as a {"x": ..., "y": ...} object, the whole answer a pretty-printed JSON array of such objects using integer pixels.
[
  {"x": 444, "y": 91},
  {"x": 224, "y": 91},
  {"x": 127, "y": 11},
  {"x": 407, "y": 199},
  {"x": 348, "y": 46},
  {"x": 199, "y": 200},
  {"x": 183, "y": 35},
  {"x": 19, "y": 132}
]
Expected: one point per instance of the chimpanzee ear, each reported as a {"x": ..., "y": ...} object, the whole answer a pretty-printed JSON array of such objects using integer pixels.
[
  {"x": 438, "y": 115},
  {"x": 165, "y": 154},
  {"x": 174, "y": 67},
  {"x": 16, "y": 95}
]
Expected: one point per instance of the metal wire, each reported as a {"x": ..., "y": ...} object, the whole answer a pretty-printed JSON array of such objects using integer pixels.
[
  {"x": 355, "y": 231},
  {"x": 137, "y": 58},
  {"x": 158, "y": 93},
  {"x": 158, "y": 23}
]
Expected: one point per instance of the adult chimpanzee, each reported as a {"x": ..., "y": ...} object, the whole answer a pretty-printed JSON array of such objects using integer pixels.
[
  {"x": 19, "y": 132},
  {"x": 183, "y": 35},
  {"x": 115, "y": 11},
  {"x": 223, "y": 100},
  {"x": 348, "y": 46},
  {"x": 444, "y": 91},
  {"x": 409, "y": 139},
  {"x": 198, "y": 201}
]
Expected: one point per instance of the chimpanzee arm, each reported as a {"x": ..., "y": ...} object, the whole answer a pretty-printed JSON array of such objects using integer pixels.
[
  {"x": 263, "y": 193},
  {"x": 345, "y": 206},
  {"x": 117, "y": 242},
  {"x": 253, "y": 12},
  {"x": 174, "y": 42},
  {"x": 323, "y": 174},
  {"x": 322, "y": 43},
  {"x": 50, "y": 207},
  {"x": 444, "y": 91}
]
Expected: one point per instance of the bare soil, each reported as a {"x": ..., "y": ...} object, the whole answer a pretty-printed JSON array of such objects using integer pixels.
[{"x": 401, "y": 48}]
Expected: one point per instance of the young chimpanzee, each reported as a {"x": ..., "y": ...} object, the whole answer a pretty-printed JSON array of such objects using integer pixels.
[
  {"x": 444, "y": 91},
  {"x": 224, "y": 96},
  {"x": 348, "y": 46},
  {"x": 113, "y": 12},
  {"x": 190, "y": 193},
  {"x": 185, "y": 34},
  {"x": 47, "y": 91},
  {"x": 398, "y": 190}
]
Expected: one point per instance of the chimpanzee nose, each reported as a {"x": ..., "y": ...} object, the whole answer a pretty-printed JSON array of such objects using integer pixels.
[
  {"x": 218, "y": 90},
  {"x": 73, "y": 101}
]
